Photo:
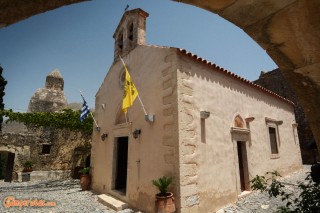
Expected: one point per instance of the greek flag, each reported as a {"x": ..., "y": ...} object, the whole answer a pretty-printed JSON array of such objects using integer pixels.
[{"x": 85, "y": 110}]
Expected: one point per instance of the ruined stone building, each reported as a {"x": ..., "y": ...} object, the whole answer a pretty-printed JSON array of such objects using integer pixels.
[
  {"x": 54, "y": 153},
  {"x": 212, "y": 130},
  {"x": 275, "y": 82},
  {"x": 51, "y": 98}
]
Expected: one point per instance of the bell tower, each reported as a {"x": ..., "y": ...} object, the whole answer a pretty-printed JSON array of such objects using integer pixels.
[{"x": 130, "y": 33}]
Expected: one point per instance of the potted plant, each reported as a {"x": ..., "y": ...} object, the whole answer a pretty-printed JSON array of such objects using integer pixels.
[
  {"x": 164, "y": 199},
  {"x": 85, "y": 179},
  {"x": 27, "y": 166}
]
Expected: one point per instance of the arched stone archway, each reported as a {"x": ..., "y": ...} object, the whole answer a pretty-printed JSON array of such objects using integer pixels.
[
  {"x": 13, "y": 11},
  {"x": 288, "y": 30}
]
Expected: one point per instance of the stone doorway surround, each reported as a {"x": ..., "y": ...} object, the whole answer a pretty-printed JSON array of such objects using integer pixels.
[
  {"x": 122, "y": 130},
  {"x": 242, "y": 136},
  {"x": 121, "y": 163}
]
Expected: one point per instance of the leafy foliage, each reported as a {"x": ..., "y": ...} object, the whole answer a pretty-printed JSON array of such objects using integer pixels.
[
  {"x": 307, "y": 201},
  {"x": 84, "y": 171},
  {"x": 65, "y": 119},
  {"x": 27, "y": 164},
  {"x": 162, "y": 184},
  {"x": 3, "y": 83}
]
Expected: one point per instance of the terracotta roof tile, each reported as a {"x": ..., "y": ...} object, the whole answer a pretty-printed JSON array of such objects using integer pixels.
[{"x": 233, "y": 75}]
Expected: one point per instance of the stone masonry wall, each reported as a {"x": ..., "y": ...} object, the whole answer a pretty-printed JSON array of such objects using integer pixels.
[
  {"x": 190, "y": 198},
  {"x": 170, "y": 126},
  {"x": 68, "y": 149},
  {"x": 19, "y": 144}
]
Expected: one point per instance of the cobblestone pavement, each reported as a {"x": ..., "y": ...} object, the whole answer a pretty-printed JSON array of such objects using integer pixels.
[
  {"x": 68, "y": 197},
  {"x": 258, "y": 202}
]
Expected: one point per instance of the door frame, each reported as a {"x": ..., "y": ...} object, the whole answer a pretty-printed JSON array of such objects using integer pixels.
[
  {"x": 116, "y": 165},
  {"x": 243, "y": 136}
]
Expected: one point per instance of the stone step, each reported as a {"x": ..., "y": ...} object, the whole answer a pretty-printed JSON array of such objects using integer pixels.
[{"x": 112, "y": 202}]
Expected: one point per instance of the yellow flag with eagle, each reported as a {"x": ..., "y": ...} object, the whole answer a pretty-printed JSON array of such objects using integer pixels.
[{"x": 130, "y": 91}]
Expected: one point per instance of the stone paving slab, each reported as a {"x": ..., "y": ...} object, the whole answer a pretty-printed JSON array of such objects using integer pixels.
[{"x": 112, "y": 202}]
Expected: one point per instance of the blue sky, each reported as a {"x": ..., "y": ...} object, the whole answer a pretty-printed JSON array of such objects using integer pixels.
[{"x": 78, "y": 41}]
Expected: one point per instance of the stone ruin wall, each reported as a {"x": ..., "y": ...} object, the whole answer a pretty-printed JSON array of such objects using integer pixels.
[
  {"x": 68, "y": 149},
  {"x": 49, "y": 149}
]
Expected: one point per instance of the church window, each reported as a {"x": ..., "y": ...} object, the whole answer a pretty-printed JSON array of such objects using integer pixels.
[
  {"x": 238, "y": 122},
  {"x": 273, "y": 140},
  {"x": 120, "y": 41},
  {"x": 122, "y": 78},
  {"x": 130, "y": 35}
]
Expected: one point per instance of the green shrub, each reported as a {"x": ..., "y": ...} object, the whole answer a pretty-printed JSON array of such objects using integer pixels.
[
  {"x": 84, "y": 171},
  {"x": 28, "y": 164},
  {"x": 307, "y": 201},
  {"x": 162, "y": 184}
]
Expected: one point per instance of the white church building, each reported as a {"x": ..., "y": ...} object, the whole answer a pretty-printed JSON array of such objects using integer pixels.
[{"x": 212, "y": 131}]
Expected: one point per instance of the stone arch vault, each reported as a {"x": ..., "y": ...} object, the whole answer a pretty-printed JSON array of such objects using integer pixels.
[{"x": 288, "y": 30}]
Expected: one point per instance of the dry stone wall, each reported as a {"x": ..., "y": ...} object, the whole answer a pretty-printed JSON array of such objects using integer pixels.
[
  {"x": 67, "y": 149},
  {"x": 49, "y": 149}
]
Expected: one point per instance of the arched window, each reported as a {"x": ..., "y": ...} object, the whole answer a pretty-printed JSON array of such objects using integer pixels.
[
  {"x": 120, "y": 41},
  {"x": 130, "y": 33},
  {"x": 238, "y": 122}
]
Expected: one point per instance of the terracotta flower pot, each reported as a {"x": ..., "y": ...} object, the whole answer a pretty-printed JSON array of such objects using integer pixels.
[
  {"x": 28, "y": 169},
  {"x": 165, "y": 204},
  {"x": 85, "y": 181}
]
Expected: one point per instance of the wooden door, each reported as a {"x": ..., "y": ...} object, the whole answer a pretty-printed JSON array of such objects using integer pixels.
[
  {"x": 9, "y": 167},
  {"x": 241, "y": 166}
]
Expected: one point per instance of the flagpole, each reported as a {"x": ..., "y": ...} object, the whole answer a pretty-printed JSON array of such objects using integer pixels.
[
  {"x": 144, "y": 110},
  {"x": 90, "y": 111},
  {"x": 94, "y": 119}
]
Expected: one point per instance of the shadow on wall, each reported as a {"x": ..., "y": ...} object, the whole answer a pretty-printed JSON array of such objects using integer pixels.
[{"x": 80, "y": 159}]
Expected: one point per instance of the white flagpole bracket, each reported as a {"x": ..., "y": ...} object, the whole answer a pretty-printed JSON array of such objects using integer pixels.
[{"x": 149, "y": 118}]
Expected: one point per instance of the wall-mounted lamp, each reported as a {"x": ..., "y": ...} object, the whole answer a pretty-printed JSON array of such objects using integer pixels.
[
  {"x": 104, "y": 136},
  {"x": 136, "y": 133},
  {"x": 103, "y": 106},
  {"x": 149, "y": 118},
  {"x": 204, "y": 114}
]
